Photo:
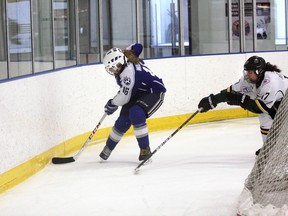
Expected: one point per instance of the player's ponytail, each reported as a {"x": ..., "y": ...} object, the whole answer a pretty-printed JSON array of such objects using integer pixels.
[
  {"x": 132, "y": 57},
  {"x": 270, "y": 67}
]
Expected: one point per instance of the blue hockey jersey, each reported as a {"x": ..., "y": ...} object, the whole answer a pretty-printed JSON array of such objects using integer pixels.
[{"x": 136, "y": 78}]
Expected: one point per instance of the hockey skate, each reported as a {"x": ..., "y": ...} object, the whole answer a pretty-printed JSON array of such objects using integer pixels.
[
  {"x": 144, "y": 153},
  {"x": 257, "y": 152},
  {"x": 104, "y": 155}
]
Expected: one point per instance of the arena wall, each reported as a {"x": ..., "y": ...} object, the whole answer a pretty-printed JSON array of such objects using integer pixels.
[{"x": 53, "y": 113}]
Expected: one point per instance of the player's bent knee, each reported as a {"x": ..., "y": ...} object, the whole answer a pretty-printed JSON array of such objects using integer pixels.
[{"x": 137, "y": 115}]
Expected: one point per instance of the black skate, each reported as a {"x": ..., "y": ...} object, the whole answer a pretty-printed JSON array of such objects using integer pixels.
[
  {"x": 104, "y": 155},
  {"x": 144, "y": 153},
  {"x": 257, "y": 152}
]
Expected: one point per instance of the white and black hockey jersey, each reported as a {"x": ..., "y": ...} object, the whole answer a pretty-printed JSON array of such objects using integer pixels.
[{"x": 271, "y": 90}]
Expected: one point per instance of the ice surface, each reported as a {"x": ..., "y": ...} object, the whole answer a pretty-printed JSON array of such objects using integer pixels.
[{"x": 198, "y": 172}]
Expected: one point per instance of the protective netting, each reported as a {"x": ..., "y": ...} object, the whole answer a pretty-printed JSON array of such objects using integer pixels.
[{"x": 266, "y": 188}]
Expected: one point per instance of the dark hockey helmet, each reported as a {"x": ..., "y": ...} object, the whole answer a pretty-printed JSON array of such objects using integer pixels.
[
  {"x": 258, "y": 65},
  {"x": 255, "y": 63}
]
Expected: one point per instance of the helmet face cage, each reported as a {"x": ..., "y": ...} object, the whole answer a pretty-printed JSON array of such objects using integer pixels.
[
  {"x": 246, "y": 77},
  {"x": 113, "y": 60}
]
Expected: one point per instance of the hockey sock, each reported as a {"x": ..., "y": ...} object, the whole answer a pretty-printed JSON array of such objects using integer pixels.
[
  {"x": 120, "y": 127},
  {"x": 138, "y": 120}
]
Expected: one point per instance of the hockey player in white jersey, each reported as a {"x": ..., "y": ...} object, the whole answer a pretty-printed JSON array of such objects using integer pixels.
[
  {"x": 260, "y": 90},
  {"x": 141, "y": 93}
]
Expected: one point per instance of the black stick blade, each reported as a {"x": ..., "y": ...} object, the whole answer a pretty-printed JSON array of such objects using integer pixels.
[{"x": 59, "y": 160}]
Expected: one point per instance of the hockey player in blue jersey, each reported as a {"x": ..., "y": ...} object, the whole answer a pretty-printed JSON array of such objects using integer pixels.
[{"x": 141, "y": 93}]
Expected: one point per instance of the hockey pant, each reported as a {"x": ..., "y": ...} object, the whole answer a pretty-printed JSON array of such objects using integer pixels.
[
  {"x": 265, "y": 124},
  {"x": 135, "y": 113}
]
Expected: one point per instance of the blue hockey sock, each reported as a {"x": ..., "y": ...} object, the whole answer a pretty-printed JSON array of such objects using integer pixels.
[
  {"x": 121, "y": 126},
  {"x": 138, "y": 120}
]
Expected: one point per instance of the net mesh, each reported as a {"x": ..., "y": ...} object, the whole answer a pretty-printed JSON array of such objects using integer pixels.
[{"x": 266, "y": 187}]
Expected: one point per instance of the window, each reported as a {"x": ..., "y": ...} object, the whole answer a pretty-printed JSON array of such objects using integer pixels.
[
  {"x": 64, "y": 33},
  {"x": 19, "y": 31},
  {"x": 3, "y": 50},
  {"x": 280, "y": 28},
  {"x": 119, "y": 24},
  {"x": 208, "y": 23},
  {"x": 159, "y": 27},
  {"x": 42, "y": 35},
  {"x": 89, "y": 31}
]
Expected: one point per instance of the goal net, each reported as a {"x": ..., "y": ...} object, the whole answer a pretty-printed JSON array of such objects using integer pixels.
[{"x": 266, "y": 188}]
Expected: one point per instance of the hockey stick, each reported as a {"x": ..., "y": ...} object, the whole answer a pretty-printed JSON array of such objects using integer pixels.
[
  {"x": 181, "y": 126},
  {"x": 62, "y": 160}
]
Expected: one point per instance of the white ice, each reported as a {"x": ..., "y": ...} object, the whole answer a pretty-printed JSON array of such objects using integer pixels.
[{"x": 198, "y": 172}]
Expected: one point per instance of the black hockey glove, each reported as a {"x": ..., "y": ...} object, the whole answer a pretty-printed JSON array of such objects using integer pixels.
[
  {"x": 110, "y": 108},
  {"x": 237, "y": 99},
  {"x": 207, "y": 103}
]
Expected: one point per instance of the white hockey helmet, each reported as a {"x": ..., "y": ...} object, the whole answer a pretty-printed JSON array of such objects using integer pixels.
[{"x": 113, "y": 60}]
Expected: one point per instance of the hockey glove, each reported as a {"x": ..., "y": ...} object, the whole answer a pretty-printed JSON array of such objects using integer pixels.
[
  {"x": 237, "y": 99},
  {"x": 207, "y": 103},
  {"x": 110, "y": 108}
]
